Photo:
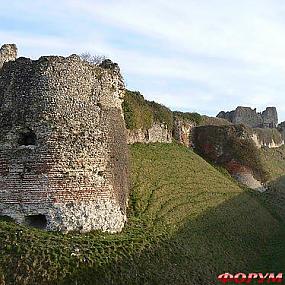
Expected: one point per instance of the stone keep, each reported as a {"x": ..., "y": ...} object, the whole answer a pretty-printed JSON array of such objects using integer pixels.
[{"x": 63, "y": 151}]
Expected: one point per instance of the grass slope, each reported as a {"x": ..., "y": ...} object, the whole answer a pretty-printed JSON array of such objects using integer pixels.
[
  {"x": 188, "y": 223},
  {"x": 274, "y": 162}
]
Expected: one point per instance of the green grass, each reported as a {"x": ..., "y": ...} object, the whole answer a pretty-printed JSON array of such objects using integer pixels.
[
  {"x": 274, "y": 161},
  {"x": 188, "y": 222}
]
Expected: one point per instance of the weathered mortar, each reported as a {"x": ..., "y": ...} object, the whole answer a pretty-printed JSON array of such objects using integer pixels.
[{"x": 75, "y": 173}]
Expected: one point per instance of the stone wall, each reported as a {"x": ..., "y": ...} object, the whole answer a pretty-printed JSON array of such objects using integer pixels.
[
  {"x": 157, "y": 133},
  {"x": 63, "y": 151},
  {"x": 251, "y": 118},
  {"x": 268, "y": 137},
  {"x": 182, "y": 130},
  {"x": 8, "y": 52}
]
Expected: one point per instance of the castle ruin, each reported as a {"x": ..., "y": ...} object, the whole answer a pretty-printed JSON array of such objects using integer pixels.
[
  {"x": 251, "y": 118},
  {"x": 63, "y": 150}
]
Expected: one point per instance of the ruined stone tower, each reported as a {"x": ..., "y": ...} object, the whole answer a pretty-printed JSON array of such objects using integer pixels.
[{"x": 63, "y": 151}]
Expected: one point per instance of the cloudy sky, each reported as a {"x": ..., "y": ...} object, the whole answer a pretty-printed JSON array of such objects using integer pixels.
[{"x": 190, "y": 55}]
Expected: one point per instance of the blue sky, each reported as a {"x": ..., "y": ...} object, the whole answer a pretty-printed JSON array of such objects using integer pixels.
[{"x": 191, "y": 55}]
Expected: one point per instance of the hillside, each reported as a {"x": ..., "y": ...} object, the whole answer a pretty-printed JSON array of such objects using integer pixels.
[{"x": 188, "y": 222}]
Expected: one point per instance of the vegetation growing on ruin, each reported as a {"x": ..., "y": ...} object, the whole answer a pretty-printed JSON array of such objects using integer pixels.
[
  {"x": 161, "y": 114},
  {"x": 206, "y": 120},
  {"x": 142, "y": 114},
  {"x": 193, "y": 117},
  {"x": 138, "y": 115},
  {"x": 235, "y": 144},
  {"x": 93, "y": 59},
  {"x": 247, "y": 153},
  {"x": 188, "y": 222},
  {"x": 268, "y": 134}
]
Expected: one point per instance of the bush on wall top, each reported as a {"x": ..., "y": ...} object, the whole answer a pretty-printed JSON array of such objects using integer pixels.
[{"x": 141, "y": 114}]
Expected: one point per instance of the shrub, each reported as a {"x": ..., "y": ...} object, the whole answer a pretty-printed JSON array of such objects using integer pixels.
[
  {"x": 141, "y": 114},
  {"x": 161, "y": 114},
  {"x": 93, "y": 59},
  {"x": 193, "y": 117},
  {"x": 138, "y": 115}
]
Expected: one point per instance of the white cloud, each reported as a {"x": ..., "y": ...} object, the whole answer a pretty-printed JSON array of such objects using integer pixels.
[{"x": 222, "y": 53}]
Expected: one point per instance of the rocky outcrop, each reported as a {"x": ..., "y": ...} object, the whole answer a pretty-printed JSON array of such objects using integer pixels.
[
  {"x": 251, "y": 118},
  {"x": 233, "y": 148},
  {"x": 157, "y": 133},
  {"x": 63, "y": 146},
  {"x": 8, "y": 52}
]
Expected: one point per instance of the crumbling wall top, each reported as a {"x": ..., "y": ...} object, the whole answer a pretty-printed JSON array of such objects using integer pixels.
[{"x": 8, "y": 52}]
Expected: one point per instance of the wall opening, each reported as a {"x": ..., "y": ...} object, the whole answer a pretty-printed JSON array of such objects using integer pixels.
[
  {"x": 27, "y": 138},
  {"x": 146, "y": 135},
  {"x": 36, "y": 221}
]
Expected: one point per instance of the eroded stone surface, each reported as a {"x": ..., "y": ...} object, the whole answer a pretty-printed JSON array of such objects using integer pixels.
[
  {"x": 157, "y": 133},
  {"x": 182, "y": 130}
]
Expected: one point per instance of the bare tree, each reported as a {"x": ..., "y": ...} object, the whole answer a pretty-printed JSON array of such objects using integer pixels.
[{"x": 94, "y": 59}]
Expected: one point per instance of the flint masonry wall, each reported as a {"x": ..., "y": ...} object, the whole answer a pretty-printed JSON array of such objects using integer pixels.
[
  {"x": 63, "y": 151},
  {"x": 158, "y": 132}
]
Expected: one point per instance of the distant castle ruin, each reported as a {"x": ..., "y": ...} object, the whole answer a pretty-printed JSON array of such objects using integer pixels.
[
  {"x": 63, "y": 151},
  {"x": 251, "y": 118}
]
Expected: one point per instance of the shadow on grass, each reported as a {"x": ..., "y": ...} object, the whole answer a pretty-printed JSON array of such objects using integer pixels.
[{"x": 240, "y": 235}]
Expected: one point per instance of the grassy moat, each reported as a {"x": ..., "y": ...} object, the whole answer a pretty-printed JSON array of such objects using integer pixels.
[{"x": 188, "y": 222}]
